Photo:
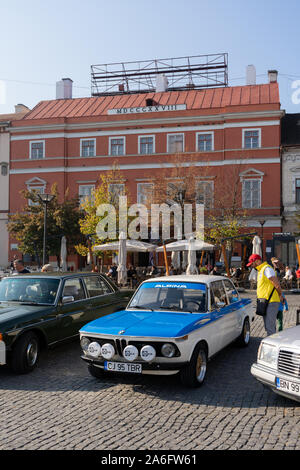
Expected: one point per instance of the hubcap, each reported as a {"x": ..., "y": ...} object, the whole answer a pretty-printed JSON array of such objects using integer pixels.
[
  {"x": 201, "y": 366},
  {"x": 32, "y": 353},
  {"x": 246, "y": 333}
]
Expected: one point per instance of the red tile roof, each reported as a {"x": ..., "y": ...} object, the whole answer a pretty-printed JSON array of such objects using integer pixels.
[{"x": 209, "y": 99}]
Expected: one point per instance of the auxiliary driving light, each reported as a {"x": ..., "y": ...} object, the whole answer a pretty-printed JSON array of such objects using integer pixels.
[
  {"x": 107, "y": 351},
  {"x": 130, "y": 353},
  {"x": 148, "y": 353},
  {"x": 94, "y": 349}
]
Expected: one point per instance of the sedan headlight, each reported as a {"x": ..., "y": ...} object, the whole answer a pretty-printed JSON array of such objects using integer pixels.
[
  {"x": 84, "y": 343},
  {"x": 267, "y": 353},
  {"x": 168, "y": 350}
]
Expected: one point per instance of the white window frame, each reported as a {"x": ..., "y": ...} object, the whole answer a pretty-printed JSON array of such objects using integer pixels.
[
  {"x": 259, "y": 138},
  {"x": 40, "y": 188},
  {"x": 243, "y": 192},
  {"x": 81, "y": 147},
  {"x": 140, "y": 193},
  {"x": 124, "y": 145},
  {"x": 91, "y": 186},
  {"x": 212, "y": 141},
  {"x": 112, "y": 194},
  {"x": 30, "y": 148},
  {"x": 211, "y": 183},
  {"x": 168, "y": 143},
  {"x": 139, "y": 143}
]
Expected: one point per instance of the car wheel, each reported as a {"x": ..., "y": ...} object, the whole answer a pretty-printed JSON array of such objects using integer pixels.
[
  {"x": 244, "y": 338},
  {"x": 194, "y": 373},
  {"x": 96, "y": 371},
  {"x": 25, "y": 353}
]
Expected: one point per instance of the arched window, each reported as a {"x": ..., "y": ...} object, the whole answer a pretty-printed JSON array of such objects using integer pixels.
[{"x": 4, "y": 169}]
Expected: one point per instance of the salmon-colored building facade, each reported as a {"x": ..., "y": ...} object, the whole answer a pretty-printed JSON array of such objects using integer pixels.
[{"x": 223, "y": 132}]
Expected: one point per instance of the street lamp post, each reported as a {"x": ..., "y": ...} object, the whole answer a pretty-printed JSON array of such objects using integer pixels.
[
  {"x": 262, "y": 223},
  {"x": 45, "y": 199}
]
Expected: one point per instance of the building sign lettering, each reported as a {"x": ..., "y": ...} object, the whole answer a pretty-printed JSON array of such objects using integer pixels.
[{"x": 148, "y": 109}]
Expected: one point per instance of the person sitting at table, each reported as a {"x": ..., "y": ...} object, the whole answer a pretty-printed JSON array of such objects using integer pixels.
[
  {"x": 132, "y": 275},
  {"x": 153, "y": 271},
  {"x": 112, "y": 272}
]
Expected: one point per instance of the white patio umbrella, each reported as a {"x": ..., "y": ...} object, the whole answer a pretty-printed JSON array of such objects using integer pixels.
[
  {"x": 192, "y": 268},
  {"x": 131, "y": 246},
  {"x": 175, "y": 259},
  {"x": 121, "y": 269},
  {"x": 63, "y": 254},
  {"x": 256, "y": 242},
  {"x": 183, "y": 245}
]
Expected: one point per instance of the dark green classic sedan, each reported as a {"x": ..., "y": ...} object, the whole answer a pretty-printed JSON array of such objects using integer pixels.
[{"x": 40, "y": 310}]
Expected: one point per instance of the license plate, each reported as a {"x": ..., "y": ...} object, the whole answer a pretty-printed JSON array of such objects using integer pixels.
[
  {"x": 123, "y": 367},
  {"x": 288, "y": 386}
]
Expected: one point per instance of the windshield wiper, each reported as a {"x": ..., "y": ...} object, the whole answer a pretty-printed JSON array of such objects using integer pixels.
[
  {"x": 175, "y": 309},
  {"x": 141, "y": 307}
]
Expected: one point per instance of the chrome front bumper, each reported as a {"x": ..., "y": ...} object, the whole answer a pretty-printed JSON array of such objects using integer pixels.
[{"x": 268, "y": 377}]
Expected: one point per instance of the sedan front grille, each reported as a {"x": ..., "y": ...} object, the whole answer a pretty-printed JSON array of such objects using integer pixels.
[
  {"x": 289, "y": 362},
  {"x": 120, "y": 344}
]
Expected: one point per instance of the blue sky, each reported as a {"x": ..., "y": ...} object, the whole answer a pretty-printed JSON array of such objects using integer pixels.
[{"x": 43, "y": 41}]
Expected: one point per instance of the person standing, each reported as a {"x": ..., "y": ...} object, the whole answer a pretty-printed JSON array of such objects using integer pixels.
[
  {"x": 268, "y": 287},
  {"x": 19, "y": 267}
]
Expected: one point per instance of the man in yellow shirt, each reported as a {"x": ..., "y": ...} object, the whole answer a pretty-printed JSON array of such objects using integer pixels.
[{"x": 266, "y": 282}]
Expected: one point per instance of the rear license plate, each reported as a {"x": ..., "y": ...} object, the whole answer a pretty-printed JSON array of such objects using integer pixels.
[
  {"x": 288, "y": 386},
  {"x": 123, "y": 367}
]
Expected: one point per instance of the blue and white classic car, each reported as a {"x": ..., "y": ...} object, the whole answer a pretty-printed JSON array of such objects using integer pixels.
[{"x": 171, "y": 325}]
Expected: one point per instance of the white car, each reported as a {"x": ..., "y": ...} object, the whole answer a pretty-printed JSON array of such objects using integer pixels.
[
  {"x": 172, "y": 324},
  {"x": 278, "y": 363}
]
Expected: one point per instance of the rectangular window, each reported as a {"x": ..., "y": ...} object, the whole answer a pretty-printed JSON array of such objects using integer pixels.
[
  {"x": 85, "y": 192},
  {"x": 95, "y": 286},
  {"x": 117, "y": 146},
  {"x": 205, "y": 193},
  {"x": 175, "y": 143},
  {"x": 144, "y": 193},
  {"x": 251, "y": 194},
  {"x": 88, "y": 148},
  {"x": 297, "y": 190},
  {"x": 251, "y": 138},
  {"x": 146, "y": 144},
  {"x": 37, "y": 190},
  {"x": 205, "y": 142},
  {"x": 115, "y": 191},
  {"x": 37, "y": 150}
]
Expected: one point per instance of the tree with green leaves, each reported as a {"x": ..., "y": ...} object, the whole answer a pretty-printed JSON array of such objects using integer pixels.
[
  {"x": 105, "y": 196},
  {"x": 27, "y": 226}
]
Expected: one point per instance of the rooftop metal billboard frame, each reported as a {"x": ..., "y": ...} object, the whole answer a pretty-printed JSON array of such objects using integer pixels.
[{"x": 182, "y": 73}]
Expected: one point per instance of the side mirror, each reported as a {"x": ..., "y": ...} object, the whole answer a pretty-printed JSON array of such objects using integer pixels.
[
  {"x": 67, "y": 299},
  {"x": 220, "y": 304}
]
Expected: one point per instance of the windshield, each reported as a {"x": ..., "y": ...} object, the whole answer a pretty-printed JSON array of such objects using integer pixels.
[
  {"x": 179, "y": 296},
  {"x": 31, "y": 290}
]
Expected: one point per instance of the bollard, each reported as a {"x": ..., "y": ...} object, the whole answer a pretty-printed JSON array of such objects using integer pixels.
[{"x": 298, "y": 317}]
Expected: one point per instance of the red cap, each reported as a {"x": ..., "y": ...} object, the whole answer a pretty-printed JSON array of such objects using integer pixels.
[{"x": 253, "y": 258}]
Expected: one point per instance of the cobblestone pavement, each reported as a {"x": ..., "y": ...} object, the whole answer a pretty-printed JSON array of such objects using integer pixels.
[{"x": 60, "y": 406}]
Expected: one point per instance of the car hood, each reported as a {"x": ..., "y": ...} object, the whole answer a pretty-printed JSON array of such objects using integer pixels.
[
  {"x": 289, "y": 338},
  {"x": 12, "y": 313},
  {"x": 146, "y": 323}
]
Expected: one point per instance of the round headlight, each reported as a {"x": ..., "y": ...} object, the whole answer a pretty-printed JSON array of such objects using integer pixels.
[
  {"x": 94, "y": 349},
  {"x": 130, "y": 353},
  {"x": 148, "y": 353},
  {"x": 84, "y": 343},
  {"x": 107, "y": 351},
  {"x": 168, "y": 350}
]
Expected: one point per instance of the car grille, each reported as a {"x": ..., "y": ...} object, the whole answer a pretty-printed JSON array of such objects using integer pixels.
[
  {"x": 289, "y": 362},
  {"x": 120, "y": 344}
]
